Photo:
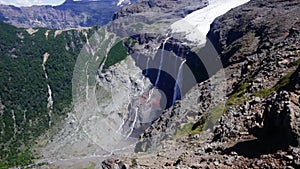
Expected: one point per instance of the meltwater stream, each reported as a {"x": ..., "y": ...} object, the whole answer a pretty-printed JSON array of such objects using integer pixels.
[
  {"x": 178, "y": 83},
  {"x": 161, "y": 61}
]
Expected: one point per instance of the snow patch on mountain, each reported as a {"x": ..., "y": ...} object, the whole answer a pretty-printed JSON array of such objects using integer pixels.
[
  {"x": 123, "y": 3},
  {"x": 196, "y": 25}
]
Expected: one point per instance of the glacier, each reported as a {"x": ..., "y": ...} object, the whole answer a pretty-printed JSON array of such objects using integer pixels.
[{"x": 196, "y": 25}]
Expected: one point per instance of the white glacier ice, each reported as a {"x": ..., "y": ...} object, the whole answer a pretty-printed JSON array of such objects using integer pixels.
[{"x": 196, "y": 25}]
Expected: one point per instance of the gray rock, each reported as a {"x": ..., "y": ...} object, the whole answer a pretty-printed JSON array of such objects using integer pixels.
[
  {"x": 257, "y": 99},
  {"x": 114, "y": 164}
]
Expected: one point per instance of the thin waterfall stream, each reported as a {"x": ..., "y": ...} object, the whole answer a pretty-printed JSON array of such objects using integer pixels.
[
  {"x": 178, "y": 83},
  {"x": 161, "y": 61}
]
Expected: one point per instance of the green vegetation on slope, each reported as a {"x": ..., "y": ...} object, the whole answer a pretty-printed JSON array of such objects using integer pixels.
[
  {"x": 191, "y": 128},
  {"x": 236, "y": 98},
  {"x": 23, "y": 86},
  {"x": 116, "y": 54},
  {"x": 92, "y": 166},
  {"x": 215, "y": 115}
]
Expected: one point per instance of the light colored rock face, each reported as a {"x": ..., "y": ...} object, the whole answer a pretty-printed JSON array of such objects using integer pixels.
[
  {"x": 50, "y": 98},
  {"x": 32, "y": 31},
  {"x": 119, "y": 89},
  {"x": 110, "y": 107},
  {"x": 102, "y": 124},
  {"x": 196, "y": 25}
]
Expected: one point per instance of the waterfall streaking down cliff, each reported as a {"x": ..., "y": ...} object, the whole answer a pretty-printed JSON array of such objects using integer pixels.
[
  {"x": 178, "y": 83},
  {"x": 161, "y": 61}
]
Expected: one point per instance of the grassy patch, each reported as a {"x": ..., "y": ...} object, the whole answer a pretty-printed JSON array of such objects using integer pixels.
[
  {"x": 283, "y": 81},
  {"x": 263, "y": 93},
  {"x": 117, "y": 53},
  {"x": 215, "y": 115},
  {"x": 92, "y": 166},
  {"x": 202, "y": 124},
  {"x": 184, "y": 130},
  {"x": 238, "y": 97},
  {"x": 198, "y": 127},
  {"x": 280, "y": 84},
  {"x": 191, "y": 128}
]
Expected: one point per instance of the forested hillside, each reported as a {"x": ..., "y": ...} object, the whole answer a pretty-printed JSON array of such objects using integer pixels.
[
  {"x": 36, "y": 70},
  {"x": 24, "y": 113}
]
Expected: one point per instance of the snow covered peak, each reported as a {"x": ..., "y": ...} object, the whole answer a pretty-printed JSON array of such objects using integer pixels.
[
  {"x": 123, "y": 3},
  {"x": 119, "y": 3}
]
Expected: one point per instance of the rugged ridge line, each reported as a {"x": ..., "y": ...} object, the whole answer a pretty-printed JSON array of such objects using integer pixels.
[{"x": 70, "y": 14}]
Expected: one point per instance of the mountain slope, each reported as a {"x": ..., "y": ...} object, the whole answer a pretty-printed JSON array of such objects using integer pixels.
[
  {"x": 35, "y": 87},
  {"x": 40, "y": 68},
  {"x": 71, "y": 14},
  {"x": 257, "y": 123}
]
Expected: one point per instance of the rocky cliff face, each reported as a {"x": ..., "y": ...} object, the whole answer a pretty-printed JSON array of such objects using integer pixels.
[
  {"x": 152, "y": 16},
  {"x": 122, "y": 113},
  {"x": 169, "y": 7},
  {"x": 71, "y": 14},
  {"x": 259, "y": 125}
]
